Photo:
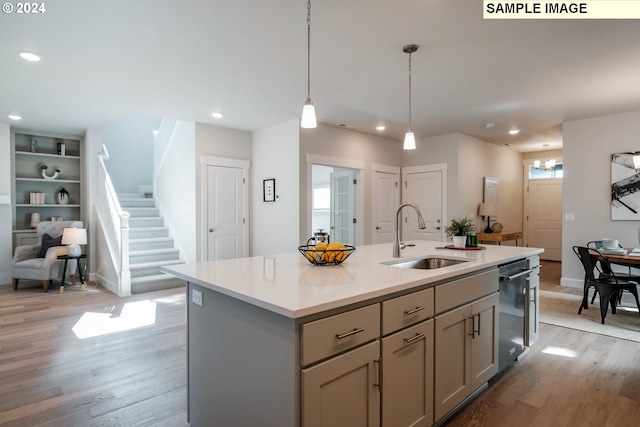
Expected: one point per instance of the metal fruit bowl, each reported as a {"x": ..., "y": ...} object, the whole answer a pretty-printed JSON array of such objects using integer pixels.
[{"x": 327, "y": 256}]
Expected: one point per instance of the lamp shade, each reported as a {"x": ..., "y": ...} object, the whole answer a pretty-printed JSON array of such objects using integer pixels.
[
  {"x": 308, "y": 120},
  {"x": 74, "y": 237},
  {"x": 409, "y": 141},
  {"x": 487, "y": 209}
]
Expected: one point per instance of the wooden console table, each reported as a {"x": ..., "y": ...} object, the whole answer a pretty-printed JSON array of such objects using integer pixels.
[{"x": 503, "y": 236}]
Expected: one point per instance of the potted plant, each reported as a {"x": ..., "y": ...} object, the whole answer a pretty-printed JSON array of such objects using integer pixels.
[{"x": 459, "y": 229}]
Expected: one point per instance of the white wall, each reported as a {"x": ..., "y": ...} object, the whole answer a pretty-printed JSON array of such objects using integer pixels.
[
  {"x": 275, "y": 154},
  {"x": 130, "y": 143},
  {"x": 219, "y": 142},
  {"x": 346, "y": 144},
  {"x": 175, "y": 189},
  {"x": 587, "y": 148}
]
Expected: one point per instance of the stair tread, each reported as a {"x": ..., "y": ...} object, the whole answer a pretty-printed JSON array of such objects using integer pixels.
[
  {"x": 144, "y": 265},
  {"x": 153, "y": 251},
  {"x": 153, "y": 277}
]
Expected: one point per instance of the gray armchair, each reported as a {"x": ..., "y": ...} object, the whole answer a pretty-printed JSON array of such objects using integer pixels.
[{"x": 38, "y": 262}]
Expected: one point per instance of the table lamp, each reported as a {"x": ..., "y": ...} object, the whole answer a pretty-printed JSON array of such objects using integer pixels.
[
  {"x": 74, "y": 237},
  {"x": 488, "y": 210}
]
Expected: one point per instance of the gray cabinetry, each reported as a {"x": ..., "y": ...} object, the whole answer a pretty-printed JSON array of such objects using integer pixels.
[
  {"x": 466, "y": 339},
  {"x": 532, "y": 312}
]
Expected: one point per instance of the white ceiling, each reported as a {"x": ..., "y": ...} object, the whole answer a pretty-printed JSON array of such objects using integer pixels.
[{"x": 247, "y": 59}]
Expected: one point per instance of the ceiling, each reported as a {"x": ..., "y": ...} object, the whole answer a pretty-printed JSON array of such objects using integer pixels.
[{"x": 248, "y": 60}]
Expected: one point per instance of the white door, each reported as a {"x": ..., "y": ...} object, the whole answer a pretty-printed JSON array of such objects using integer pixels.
[
  {"x": 226, "y": 212},
  {"x": 386, "y": 199},
  {"x": 425, "y": 190},
  {"x": 343, "y": 207},
  {"x": 544, "y": 217}
]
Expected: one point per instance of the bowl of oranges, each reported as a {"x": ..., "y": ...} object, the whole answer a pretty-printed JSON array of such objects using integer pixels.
[{"x": 326, "y": 253}]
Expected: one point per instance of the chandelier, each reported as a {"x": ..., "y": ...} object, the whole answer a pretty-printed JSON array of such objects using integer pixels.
[{"x": 548, "y": 164}]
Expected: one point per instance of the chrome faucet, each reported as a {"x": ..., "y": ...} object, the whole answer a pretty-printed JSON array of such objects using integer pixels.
[{"x": 421, "y": 225}]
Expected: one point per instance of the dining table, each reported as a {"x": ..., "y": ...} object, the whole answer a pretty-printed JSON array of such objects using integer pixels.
[{"x": 629, "y": 258}]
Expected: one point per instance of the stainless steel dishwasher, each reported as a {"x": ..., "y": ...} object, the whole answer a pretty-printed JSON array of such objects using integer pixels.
[{"x": 513, "y": 286}]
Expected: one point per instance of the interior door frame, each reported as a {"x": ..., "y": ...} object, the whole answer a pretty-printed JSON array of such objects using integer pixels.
[
  {"x": 392, "y": 170},
  {"x": 205, "y": 162},
  {"x": 436, "y": 167},
  {"x": 336, "y": 162},
  {"x": 526, "y": 163}
]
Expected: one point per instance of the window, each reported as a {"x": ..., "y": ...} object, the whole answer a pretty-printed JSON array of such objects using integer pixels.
[
  {"x": 321, "y": 198},
  {"x": 555, "y": 172}
]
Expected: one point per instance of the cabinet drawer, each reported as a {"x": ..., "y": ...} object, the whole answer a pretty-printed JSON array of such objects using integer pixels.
[
  {"x": 458, "y": 292},
  {"x": 335, "y": 334},
  {"x": 407, "y": 310}
]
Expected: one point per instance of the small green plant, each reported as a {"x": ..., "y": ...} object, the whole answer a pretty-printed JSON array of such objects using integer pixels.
[{"x": 460, "y": 227}]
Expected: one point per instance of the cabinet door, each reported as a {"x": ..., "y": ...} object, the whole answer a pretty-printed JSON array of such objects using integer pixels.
[
  {"x": 452, "y": 359},
  {"x": 343, "y": 391},
  {"x": 407, "y": 374},
  {"x": 532, "y": 312},
  {"x": 484, "y": 340}
]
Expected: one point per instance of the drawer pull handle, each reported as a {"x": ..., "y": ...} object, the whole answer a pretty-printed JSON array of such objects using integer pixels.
[
  {"x": 415, "y": 310},
  {"x": 348, "y": 334},
  {"x": 414, "y": 338}
]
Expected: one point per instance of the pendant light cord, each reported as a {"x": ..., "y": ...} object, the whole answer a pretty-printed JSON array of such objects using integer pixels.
[
  {"x": 308, "y": 49},
  {"x": 410, "y": 130}
]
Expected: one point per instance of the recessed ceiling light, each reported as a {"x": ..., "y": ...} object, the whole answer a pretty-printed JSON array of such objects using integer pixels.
[
  {"x": 155, "y": 131},
  {"x": 14, "y": 117},
  {"x": 490, "y": 125},
  {"x": 381, "y": 127},
  {"x": 514, "y": 131},
  {"x": 217, "y": 115},
  {"x": 30, "y": 56}
]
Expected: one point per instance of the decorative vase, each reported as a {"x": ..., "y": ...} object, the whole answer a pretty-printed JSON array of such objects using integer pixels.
[
  {"x": 459, "y": 241},
  {"x": 62, "y": 197}
]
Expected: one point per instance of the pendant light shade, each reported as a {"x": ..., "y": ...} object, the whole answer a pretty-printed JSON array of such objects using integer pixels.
[
  {"x": 409, "y": 137},
  {"x": 308, "y": 119},
  {"x": 308, "y": 115},
  {"x": 409, "y": 141}
]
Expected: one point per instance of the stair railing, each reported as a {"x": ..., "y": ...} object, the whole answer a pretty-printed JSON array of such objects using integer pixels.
[{"x": 115, "y": 224}]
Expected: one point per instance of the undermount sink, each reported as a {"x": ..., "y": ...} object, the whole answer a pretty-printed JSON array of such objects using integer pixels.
[{"x": 425, "y": 263}]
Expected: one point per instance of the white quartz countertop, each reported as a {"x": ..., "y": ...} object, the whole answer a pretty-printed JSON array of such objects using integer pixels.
[{"x": 289, "y": 285}]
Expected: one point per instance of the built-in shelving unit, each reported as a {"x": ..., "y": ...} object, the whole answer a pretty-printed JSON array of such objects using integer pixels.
[{"x": 31, "y": 150}]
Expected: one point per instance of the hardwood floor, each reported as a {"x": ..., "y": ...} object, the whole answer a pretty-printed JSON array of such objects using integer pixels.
[
  {"x": 50, "y": 377},
  {"x": 569, "y": 378}
]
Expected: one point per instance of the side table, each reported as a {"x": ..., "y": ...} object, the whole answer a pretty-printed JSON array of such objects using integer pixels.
[
  {"x": 66, "y": 259},
  {"x": 503, "y": 236}
]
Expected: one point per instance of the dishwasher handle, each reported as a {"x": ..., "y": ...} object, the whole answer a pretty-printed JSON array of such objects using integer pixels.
[{"x": 515, "y": 276}]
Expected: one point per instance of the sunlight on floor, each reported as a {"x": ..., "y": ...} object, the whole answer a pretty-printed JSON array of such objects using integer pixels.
[
  {"x": 133, "y": 315},
  {"x": 560, "y": 351}
]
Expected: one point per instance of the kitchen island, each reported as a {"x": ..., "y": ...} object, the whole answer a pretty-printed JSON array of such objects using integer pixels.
[{"x": 276, "y": 341}]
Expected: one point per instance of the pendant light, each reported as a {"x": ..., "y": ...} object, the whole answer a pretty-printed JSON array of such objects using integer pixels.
[
  {"x": 409, "y": 137},
  {"x": 308, "y": 111},
  {"x": 548, "y": 164}
]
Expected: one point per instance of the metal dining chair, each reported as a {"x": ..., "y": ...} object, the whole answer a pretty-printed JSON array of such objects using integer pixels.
[
  {"x": 605, "y": 269},
  {"x": 608, "y": 287}
]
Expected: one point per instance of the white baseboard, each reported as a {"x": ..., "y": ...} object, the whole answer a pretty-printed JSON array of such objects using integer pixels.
[
  {"x": 573, "y": 283},
  {"x": 109, "y": 285}
]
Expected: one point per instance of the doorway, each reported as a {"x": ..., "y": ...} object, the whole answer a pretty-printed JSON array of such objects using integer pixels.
[
  {"x": 543, "y": 210},
  {"x": 424, "y": 186},
  {"x": 225, "y": 208},
  {"x": 333, "y": 202},
  {"x": 350, "y": 208}
]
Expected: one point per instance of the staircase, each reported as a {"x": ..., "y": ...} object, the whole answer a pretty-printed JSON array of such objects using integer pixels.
[{"x": 150, "y": 246}]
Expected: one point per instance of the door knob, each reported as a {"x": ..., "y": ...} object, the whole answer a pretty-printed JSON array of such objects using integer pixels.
[
  {"x": 438, "y": 228},
  {"x": 211, "y": 230},
  {"x": 378, "y": 228}
]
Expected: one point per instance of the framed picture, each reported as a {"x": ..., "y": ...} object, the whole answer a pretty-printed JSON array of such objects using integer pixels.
[
  {"x": 269, "y": 190},
  {"x": 625, "y": 186}
]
